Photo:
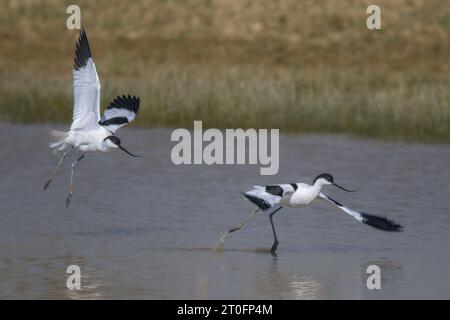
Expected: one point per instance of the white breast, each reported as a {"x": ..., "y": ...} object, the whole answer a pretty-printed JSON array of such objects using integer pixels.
[
  {"x": 89, "y": 141},
  {"x": 303, "y": 196}
]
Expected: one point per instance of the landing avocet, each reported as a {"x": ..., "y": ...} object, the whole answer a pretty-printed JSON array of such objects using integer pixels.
[
  {"x": 272, "y": 198},
  {"x": 89, "y": 132}
]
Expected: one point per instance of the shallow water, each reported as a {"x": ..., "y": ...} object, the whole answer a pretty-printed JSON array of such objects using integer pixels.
[{"x": 144, "y": 228}]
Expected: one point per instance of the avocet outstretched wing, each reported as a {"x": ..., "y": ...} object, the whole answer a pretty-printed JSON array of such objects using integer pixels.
[
  {"x": 269, "y": 196},
  {"x": 120, "y": 112},
  {"x": 369, "y": 219},
  {"x": 86, "y": 87}
]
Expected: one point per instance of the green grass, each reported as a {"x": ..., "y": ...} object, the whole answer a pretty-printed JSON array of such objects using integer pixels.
[
  {"x": 303, "y": 101},
  {"x": 309, "y": 66}
]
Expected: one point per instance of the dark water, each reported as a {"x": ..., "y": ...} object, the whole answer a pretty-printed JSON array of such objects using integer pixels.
[{"x": 145, "y": 228}]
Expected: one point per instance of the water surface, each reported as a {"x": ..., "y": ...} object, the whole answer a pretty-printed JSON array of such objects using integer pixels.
[{"x": 144, "y": 228}]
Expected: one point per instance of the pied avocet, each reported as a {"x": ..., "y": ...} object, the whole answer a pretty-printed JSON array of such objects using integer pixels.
[
  {"x": 89, "y": 132},
  {"x": 272, "y": 198}
]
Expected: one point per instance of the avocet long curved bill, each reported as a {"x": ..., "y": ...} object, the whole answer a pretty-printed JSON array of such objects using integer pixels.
[
  {"x": 89, "y": 132},
  {"x": 272, "y": 198}
]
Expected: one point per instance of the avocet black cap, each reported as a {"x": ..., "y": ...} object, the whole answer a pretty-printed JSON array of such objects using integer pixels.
[{"x": 328, "y": 177}]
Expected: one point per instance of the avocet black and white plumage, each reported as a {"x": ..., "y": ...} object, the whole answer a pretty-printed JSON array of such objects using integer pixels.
[
  {"x": 89, "y": 132},
  {"x": 272, "y": 198}
]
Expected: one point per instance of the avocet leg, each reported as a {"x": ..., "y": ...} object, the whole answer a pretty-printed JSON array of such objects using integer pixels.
[
  {"x": 240, "y": 225},
  {"x": 56, "y": 169},
  {"x": 69, "y": 197},
  {"x": 275, "y": 239}
]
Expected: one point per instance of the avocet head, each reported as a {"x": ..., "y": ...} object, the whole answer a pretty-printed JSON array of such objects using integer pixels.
[
  {"x": 112, "y": 142},
  {"x": 327, "y": 179}
]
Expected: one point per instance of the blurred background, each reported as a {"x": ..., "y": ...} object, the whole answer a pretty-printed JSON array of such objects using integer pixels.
[{"x": 301, "y": 66}]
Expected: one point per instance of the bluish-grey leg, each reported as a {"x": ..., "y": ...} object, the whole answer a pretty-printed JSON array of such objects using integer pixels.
[
  {"x": 56, "y": 169},
  {"x": 69, "y": 197},
  {"x": 275, "y": 239}
]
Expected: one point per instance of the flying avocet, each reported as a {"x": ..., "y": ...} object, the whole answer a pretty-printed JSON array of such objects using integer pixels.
[
  {"x": 89, "y": 132},
  {"x": 272, "y": 198}
]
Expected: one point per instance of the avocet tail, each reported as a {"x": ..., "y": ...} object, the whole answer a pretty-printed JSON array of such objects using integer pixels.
[{"x": 58, "y": 137}]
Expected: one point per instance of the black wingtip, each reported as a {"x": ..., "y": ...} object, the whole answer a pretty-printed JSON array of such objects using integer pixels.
[
  {"x": 381, "y": 223},
  {"x": 82, "y": 50},
  {"x": 128, "y": 102}
]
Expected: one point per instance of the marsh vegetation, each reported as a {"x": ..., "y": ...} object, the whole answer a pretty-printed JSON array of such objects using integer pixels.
[{"x": 301, "y": 67}]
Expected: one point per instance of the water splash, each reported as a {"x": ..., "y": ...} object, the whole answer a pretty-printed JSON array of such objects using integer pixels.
[{"x": 220, "y": 245}]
